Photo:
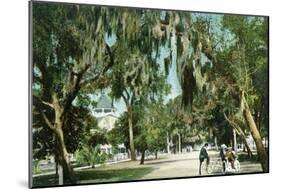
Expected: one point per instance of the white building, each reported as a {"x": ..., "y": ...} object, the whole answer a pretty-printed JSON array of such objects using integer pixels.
[
  {"x": 105, "y": 110},
  {"x": 106, "y": 117}
]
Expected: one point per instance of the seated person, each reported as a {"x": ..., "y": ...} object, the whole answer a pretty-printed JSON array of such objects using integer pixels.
[{"x": 228, "y": 155}]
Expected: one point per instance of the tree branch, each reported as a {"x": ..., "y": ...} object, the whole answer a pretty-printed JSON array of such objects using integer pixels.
[
  {"x": 109, "y": 65},
  {"x": 48, "y": 104},
  {"x": 127, "y": 94},
  {"x": 233, "y": 125},
  {"x": 75, "y": 87},
  {"x": 78, "y": 83},
  {"x": 47, "y": 120},
  {"x": 38, "y": 100},
  {"x": 132, "y": 97},
  {"x": 125, "y": 99}
]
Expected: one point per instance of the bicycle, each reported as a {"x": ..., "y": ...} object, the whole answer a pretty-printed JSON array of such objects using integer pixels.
[
  {"x": 230, "y": 169},
  {"x": 204, "y": 168},
  {"x": 216, "y": 167}
]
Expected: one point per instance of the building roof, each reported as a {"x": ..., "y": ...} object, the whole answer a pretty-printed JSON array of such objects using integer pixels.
[{"x": 104, "y": 102}]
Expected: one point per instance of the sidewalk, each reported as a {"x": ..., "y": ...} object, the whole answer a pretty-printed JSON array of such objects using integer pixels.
[{"x": 187, "y": 165}]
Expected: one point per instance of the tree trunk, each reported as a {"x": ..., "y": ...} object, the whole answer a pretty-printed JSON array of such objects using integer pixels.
[
  {"x": 243, "y": 138},
  {"x": 142, "y": 157},
  {"x": 234, "y": 140},
  {"x": 241, "y": 134},
  {"x": 56, "y": 166},
  {"x": 179, "y": 142},
  {"x": 57, "y": 128},
  {"x": 249, "y": 151},
  {"x": 68, "y": 174},
  {"x": 216, "y": 142},
  {"x": 131, "y": 133},
  {"x": 168, "y": 144},
  {"x": 172, "y": 146},
  {"x": 129, "y": 153},
  {"x": 60, "y": 173},
  {"x": 256, "y": 135},
  {"x": 156, "y": 154},
  {"x": 211, "y": 133}
]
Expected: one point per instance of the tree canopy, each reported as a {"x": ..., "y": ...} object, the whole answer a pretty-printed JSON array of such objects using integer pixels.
[{"x": 221, "y": 66}]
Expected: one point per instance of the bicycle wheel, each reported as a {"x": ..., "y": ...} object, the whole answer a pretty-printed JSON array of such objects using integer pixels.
[
  {"x": 217, "y": 167},
  {"x": 210, "y": 168},
  {"x": 237, "y": 165},
  {"x": 204, "y": 168}
]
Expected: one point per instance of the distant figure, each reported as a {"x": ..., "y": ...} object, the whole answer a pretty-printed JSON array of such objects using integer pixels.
[
  {"x": 223, "y": 150},
  {"x": 203, "y": 155}
]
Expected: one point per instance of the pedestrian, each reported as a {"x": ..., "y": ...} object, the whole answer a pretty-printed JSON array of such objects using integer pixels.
[
  {"x": 222, "y": 155},
  {"x": 203, "y": 155}
]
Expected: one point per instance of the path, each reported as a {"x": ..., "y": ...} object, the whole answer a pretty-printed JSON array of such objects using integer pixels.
[
  {"x": 173, "y": 165},
  {"x": 177, "y": 165},
  {"x": 186, "y": 165}
]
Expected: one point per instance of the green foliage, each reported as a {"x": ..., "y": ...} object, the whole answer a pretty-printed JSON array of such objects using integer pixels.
[
  {"x": 91, "y": 155},
  {"x": 149, "y": 128},
  {"x": 120, "y": 47},
  {"x": 79, "y": 123},
  {"x": 68, "y": 53},
  {"x": 35, "y": 166},
  {"x": 248, "y": 62},
  {"x": 237, "y": 65},
  {"x": 120, "y": 132},
  {"x": 152, "y": 127}
]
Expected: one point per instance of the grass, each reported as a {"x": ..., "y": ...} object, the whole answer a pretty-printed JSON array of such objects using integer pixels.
[
  {"x": 46, "y": 180},
  {"x": 96, "y": 176},
  {"x": 244, "y": 157}
]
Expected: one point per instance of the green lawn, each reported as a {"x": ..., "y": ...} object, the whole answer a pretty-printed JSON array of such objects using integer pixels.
[
  {"x": 244, "y": 157},
  {"x": 97, "y": 176}
]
